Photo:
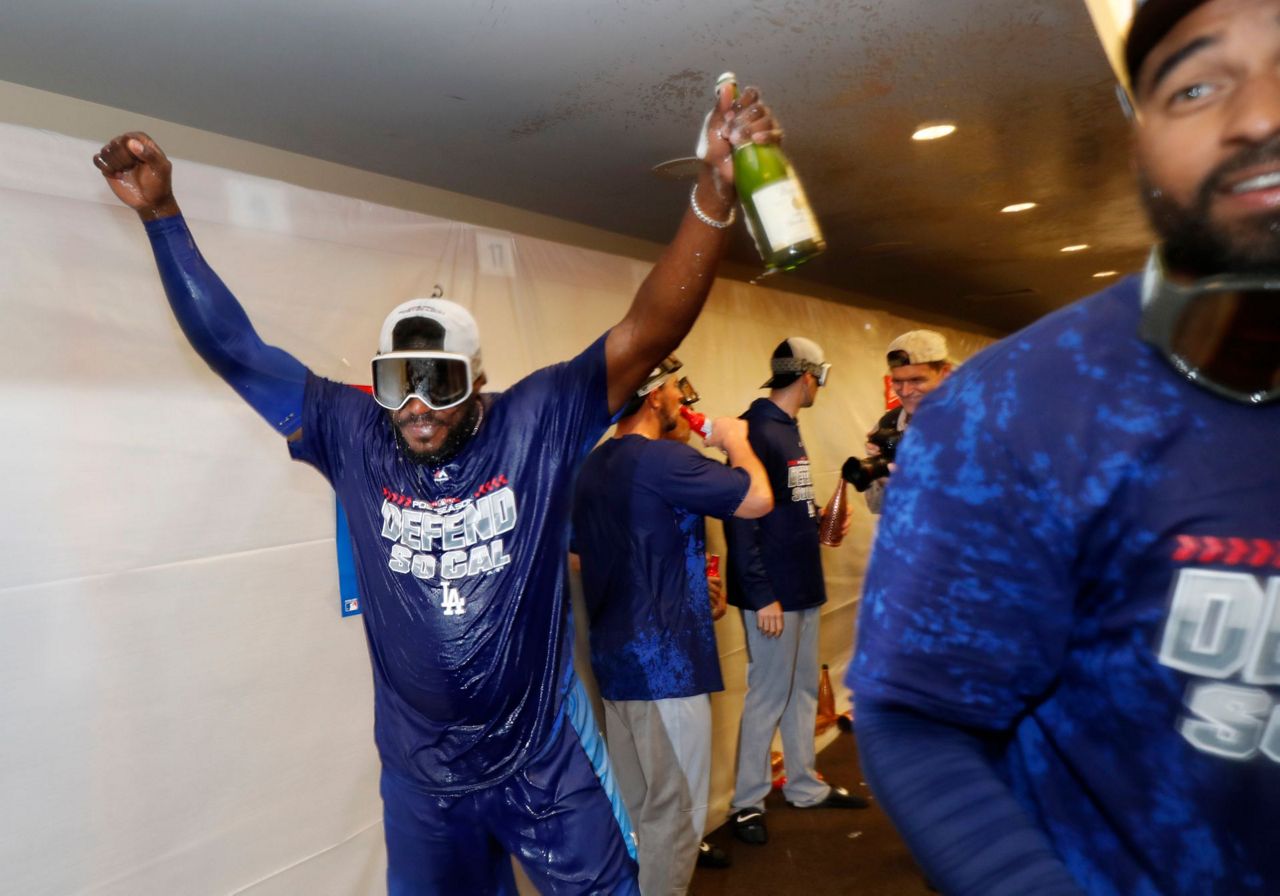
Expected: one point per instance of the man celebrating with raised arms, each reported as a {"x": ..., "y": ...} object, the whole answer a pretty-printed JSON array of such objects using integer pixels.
[{"x": 458, "y": 504}]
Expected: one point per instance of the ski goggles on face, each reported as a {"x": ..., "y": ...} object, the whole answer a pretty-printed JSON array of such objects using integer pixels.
[
  {"x": 441, "y": 380},
  {"x": 1221, "y": 333},
  {"x": 688, "y": 395}
]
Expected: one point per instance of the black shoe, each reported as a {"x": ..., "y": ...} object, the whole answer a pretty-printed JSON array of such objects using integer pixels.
[
  {"x": 748, "y": 826},
  {"x": 712, "y": 856},
  {"x": 838, "y": 798}
]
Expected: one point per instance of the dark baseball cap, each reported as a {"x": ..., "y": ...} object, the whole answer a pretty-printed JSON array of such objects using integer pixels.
[
  {"x": 1152, "y": 20},
  {"x": 793, "y": 357}
]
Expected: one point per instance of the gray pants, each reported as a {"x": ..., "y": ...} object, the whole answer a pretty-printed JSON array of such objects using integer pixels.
[
  {"x": 782, "y": 692},
  {"x": 660, "y": 751}
]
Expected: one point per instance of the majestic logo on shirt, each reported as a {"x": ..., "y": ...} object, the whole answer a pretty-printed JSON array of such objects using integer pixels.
[
  {"x": 450, "y": 540},
  {"x": 1224, "y": 627}
]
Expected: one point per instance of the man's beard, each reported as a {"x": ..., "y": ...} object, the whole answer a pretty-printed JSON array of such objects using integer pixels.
[
  {"x": 1195, "y": 244},
  {"x": 454, "y": 441},
  {"x": 667, "y": 423}
]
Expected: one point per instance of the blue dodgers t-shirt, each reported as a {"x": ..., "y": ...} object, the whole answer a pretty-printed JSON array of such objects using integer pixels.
[
  {"x": 1079, "y": 549},
  {"x": 637, "y": 524},
  {"x": 461, "y": 568}
]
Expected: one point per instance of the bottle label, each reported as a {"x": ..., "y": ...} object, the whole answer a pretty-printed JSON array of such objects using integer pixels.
[{"x": 784, "y": 214}]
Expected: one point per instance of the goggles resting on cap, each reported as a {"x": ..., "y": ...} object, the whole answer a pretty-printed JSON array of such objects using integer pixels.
[
  {"x": 688, "y": 395},
  {"x": 799, "y": 366},
  {"x": 1221, "y": 333},
  {"x": 442, "y": 380},
  {"x": 667, "y": 366}
]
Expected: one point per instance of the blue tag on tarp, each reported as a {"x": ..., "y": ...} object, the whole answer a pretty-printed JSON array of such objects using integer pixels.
[{"x": 348, "y": 590}]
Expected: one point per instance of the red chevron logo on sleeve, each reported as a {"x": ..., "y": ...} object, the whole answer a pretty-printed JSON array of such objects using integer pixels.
[
  {"x": 1188, "y": 547},
  {"x": 396, "y": 497},
  {"x": 1236, "y": 550},
  {"x": 1227, "y": 551}
]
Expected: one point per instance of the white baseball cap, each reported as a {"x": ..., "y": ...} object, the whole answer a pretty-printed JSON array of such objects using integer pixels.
[
  {"x": 917, "y": 347},
  {"x": 461, "y": 336}
]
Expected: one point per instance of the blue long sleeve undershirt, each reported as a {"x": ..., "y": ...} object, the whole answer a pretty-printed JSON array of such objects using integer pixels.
[
  {"x": 960, "y": 819},
  {"x": 271, "y": 380}
]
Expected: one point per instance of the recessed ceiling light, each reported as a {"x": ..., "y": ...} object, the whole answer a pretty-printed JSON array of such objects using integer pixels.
[
  {"x": 933, "y": 131},
  {"x": 1101, "y": 274},
  {"x": 1079, "y": 247},
  {"x": 1018, "y": 207}
]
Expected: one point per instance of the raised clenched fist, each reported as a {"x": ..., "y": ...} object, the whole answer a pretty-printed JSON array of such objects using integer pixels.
[{"x": 140, "y": 175}]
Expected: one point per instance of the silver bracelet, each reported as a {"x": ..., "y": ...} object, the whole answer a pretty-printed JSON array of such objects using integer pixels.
[{"x": 707, "y": 219}]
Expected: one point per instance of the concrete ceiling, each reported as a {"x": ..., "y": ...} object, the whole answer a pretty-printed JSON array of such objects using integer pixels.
[{"x": 563, "y": 106}]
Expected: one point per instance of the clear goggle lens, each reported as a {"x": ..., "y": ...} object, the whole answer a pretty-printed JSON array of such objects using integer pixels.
[
  {"x": 440, "y": 379},
  {"x": 688, "y": 395}
]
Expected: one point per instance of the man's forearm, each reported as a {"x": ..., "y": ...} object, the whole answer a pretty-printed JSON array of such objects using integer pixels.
[
  {"x": 270, "y": 380},
  {"x": 759, "y": 497},
  {"x": 671, "y": 297}
]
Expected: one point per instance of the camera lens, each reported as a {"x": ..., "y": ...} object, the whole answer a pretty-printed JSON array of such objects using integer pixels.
[{"x": 860, "y": 472}]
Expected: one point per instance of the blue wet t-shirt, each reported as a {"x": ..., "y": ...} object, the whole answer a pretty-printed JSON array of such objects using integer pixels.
[
  {"x": 638, "y": 527},
  {"x": 461, "y": 568},
  {"x": 1080, "y": 550}
]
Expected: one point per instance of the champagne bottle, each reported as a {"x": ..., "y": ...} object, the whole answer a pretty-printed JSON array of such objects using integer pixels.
[
  {"x": 831, "y": 531},
  {"x": 778, "y": 215}
]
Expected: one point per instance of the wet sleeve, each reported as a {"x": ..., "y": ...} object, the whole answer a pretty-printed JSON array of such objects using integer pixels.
[
  {"x": 960, "y": 820},
  {"x": 700, "y": 485},
  {"x": 269, "y": 379},
  {"x": 569, "y": 400},
  {"x": 336, "y": 421}
]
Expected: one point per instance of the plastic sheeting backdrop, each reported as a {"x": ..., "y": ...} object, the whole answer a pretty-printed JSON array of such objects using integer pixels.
[{"x": 184, "y": 709}]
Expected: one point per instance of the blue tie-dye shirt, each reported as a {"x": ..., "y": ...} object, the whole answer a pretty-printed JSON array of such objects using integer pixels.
[
  {"x": 637, "y": 525},
  {"x": 1081, "y": 551}
]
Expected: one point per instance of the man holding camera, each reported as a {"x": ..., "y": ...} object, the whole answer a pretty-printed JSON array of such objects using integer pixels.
[{"x": 918, "y": 364}]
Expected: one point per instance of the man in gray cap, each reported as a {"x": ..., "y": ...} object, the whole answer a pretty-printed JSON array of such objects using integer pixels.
[
  {"x": 918, "y": 364},
  {"x": 1068, "y": 665},
  {"x": 775, "y": 577}
]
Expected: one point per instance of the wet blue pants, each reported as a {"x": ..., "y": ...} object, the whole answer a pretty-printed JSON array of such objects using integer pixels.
[{"x": 554, "y": 815}]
